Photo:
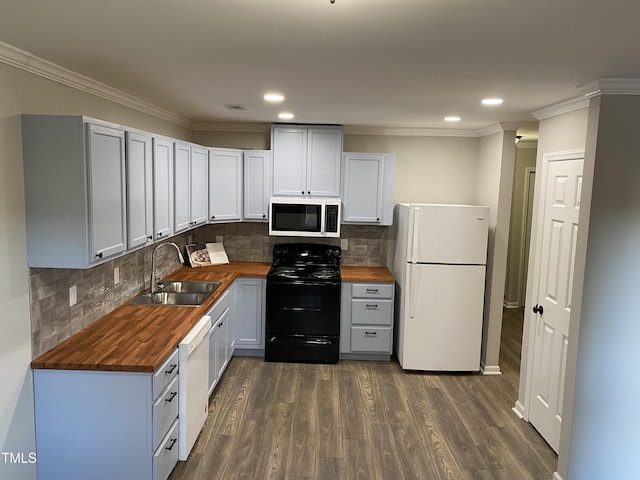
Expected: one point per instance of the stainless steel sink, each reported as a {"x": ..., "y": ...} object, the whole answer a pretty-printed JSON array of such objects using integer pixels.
[
  {"x": 178, "y": 294},
  {"x": 188, "y": 287}
]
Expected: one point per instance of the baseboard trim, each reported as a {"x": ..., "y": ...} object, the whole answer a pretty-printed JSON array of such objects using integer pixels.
[
  {"x": 490, "y": 370},
  {"x": 518, "y": 409},
  {"x": 510, "y": 304}
]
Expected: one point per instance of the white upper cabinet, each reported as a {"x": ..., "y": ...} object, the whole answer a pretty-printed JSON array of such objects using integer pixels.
[
  {"x": 199, "y": 185},
  {"x": 139, "y": 189},
  {"x": 306, "y": 160},
  {"x": 367, "y": 189},
  {"x": 162, "y": 188},
  {"x": 75, "y": 190},
  {"x": 225, "y": 185},
  {"x": 181, "y": 186},
  {"x": 257, "y": 184}
]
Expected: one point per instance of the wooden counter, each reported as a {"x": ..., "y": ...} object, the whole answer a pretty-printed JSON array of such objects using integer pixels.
[
  {"x": 137, "y": 338},
  {"x": 366, "y": 274}
]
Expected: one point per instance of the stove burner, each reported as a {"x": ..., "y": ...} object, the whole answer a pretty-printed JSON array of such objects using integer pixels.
[{"x": 324, "y": 273}]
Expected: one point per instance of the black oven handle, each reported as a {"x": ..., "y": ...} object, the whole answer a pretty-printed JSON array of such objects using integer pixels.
[
  {"x": 305, "y": 283},
  {"x": 301, "y": 309}
]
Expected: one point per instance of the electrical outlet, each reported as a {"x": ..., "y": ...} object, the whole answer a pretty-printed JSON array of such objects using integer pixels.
[
  {"x": 344, "y": 244},
  {"x": 218, "y": 238},
  {"x": 116, "y": 275},
  {"x": 190, "y": 238},
  {"x": 73, "y": 295}
]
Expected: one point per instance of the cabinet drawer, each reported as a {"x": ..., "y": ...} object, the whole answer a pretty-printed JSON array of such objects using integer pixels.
[
  {"x": 167, "y": 372},
  {"x": 371, "y": 312},
  {"x": 166, "y": 456},
  {"x": 371, "y": 339},
  {"x": 165, "y": 411},
  {"x": 372, "y": 290}
]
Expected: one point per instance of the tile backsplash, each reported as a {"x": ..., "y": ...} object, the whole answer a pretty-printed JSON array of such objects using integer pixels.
[{"x": 53, "y": 320}]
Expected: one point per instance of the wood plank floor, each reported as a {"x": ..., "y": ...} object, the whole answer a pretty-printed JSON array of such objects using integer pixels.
[{"x": 368, "y": 420}]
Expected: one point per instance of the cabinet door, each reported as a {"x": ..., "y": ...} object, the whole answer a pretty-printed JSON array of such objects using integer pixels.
[
  {"x": 324, "y": 152},
  {"x": 107, "y": 192},
  {"x": 225, "y": 185},
  {"x": 181, "y": 187},
  {"x": 221, "y": 351},
  {"x": 362, "y": 193},
  {"x": 214, "y": 333},
  {"x": 139, "y": 190},
  {"x": 162, "y": 188},
  {"x": 199, "y": 186},
  {"x": 289, "y": 146},
  {"x": 249, "y": 319},
  {"x": 257, "y": 185}
]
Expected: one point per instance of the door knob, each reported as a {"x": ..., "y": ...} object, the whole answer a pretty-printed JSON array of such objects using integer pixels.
[{"x": 538, "y": 309}]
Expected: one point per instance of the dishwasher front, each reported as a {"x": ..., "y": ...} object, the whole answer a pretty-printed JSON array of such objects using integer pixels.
[{"x": 193, "y": 359}]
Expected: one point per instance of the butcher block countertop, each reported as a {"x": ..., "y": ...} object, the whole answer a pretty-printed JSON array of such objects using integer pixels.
[
  {"x": 138, "y": 338},
  {"x": 366, "y": 274}
]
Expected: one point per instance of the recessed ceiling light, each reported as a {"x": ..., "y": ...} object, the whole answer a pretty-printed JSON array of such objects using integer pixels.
[
  {"x": 452, "y": 118},
  {"x": 492, "y": 101},
  {"x": 273, "y": 97},
  {"x": 286, "y": 115}
]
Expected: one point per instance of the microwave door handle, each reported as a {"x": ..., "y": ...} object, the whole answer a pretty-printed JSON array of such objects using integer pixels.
[{"x": 323, "y": 218}]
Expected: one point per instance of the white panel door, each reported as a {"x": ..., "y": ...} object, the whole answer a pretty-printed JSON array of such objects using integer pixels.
[
  {"x": 362, "y": 195},
  {"x": 454, "y": 234},
  {"x": 199, "y": 186},
  {"x": 257, "y": 185},
  {"x": 182, "y": 187},
  {"x": 550, "y": 321},
  {"x": 162, "y": 188},
  {"x": 107, "y": 192},
  {"x": 442, "y": 324},
  {"x": 225, "y": 185},
  {"x": 139, "y": 190},
  {"x": 324, "y": 153},
  {"x": 289, "y": 146}
]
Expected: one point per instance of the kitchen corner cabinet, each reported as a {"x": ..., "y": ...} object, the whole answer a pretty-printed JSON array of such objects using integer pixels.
[
  {"x": 139, "y": 175},
  {"x": 104, "y": 425},
  {"x": 306, "y": 160},
  {"x": 221, "y": 336},
  {"x": 162, "y": 188},
  {"x": 366, "y": 320},
  {"x": 367, "y": 188},
  {"x": 257, "y": 185},
  {"x": 225, "y": 185},
  {"x": 190, "y": 172},
  {"x": 250, "y": 315},
  {"x": 75, "y": 190}
]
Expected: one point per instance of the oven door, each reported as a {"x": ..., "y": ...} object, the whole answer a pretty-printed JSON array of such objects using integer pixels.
[{"x": 303, "y": 308}]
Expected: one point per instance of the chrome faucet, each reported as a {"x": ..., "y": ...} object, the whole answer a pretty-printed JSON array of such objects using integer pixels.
[{"x": 155, "y": 278}]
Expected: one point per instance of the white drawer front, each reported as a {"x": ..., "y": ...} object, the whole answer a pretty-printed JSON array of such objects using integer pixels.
[
  {"x": 372, "y": 290},
  {"x": 166, "y": 456},
  {"x": 165, "y": 411},
  {"x": 371, "y": 339},
  {"x": 371, "y": 312},
  {"x": 167, "y": 372}
]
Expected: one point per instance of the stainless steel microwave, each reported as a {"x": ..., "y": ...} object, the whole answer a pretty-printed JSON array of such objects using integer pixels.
[{"x": 304, "y": 217}]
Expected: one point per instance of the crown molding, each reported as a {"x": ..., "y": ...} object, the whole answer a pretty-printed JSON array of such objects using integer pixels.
[
  {"x": 560, "y": 108},
  {"x": 30, "y": 63},
  {"x": 611, "y": 86},
  {"x": 232, "y": 127},
  {"x": 498, "y": 128},
  {"x": 527, "y": 144},
  {"x": 409, "y": 131}
]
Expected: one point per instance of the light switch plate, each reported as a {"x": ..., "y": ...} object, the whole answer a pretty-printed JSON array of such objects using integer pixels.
[
  {"x": 116, "y": 275},
  {"x": 344, "y": 244}
]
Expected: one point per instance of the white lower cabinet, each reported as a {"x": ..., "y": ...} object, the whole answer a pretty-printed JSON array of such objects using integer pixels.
[
  {"x": 366, "y": 320},
  {"x": 104, "y": 425},
  {"x": 221, "y": 339},
  {"x": 250, "y": 315}
]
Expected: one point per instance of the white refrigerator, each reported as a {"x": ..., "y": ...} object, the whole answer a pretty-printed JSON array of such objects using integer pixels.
[{"x": 439, "y": 265}]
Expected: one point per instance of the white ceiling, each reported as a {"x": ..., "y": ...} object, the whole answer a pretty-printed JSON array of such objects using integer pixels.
[{"x": 371, "y": 63}]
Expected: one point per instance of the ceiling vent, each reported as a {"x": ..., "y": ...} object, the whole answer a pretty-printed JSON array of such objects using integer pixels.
[{"x": 236, "y": 107}]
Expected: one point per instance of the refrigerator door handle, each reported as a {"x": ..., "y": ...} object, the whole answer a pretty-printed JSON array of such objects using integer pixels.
[
  {"x": 413, "y": 290},
  {"x": 414, "y": 237}
]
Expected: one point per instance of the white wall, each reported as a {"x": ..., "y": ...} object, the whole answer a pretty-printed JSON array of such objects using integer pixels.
[
  {"x": 22, "y": 92},
  {"x": 556, "y": 134},
  {"x": 605, "y": 424},
  {"x": 494, "y": 187}
]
